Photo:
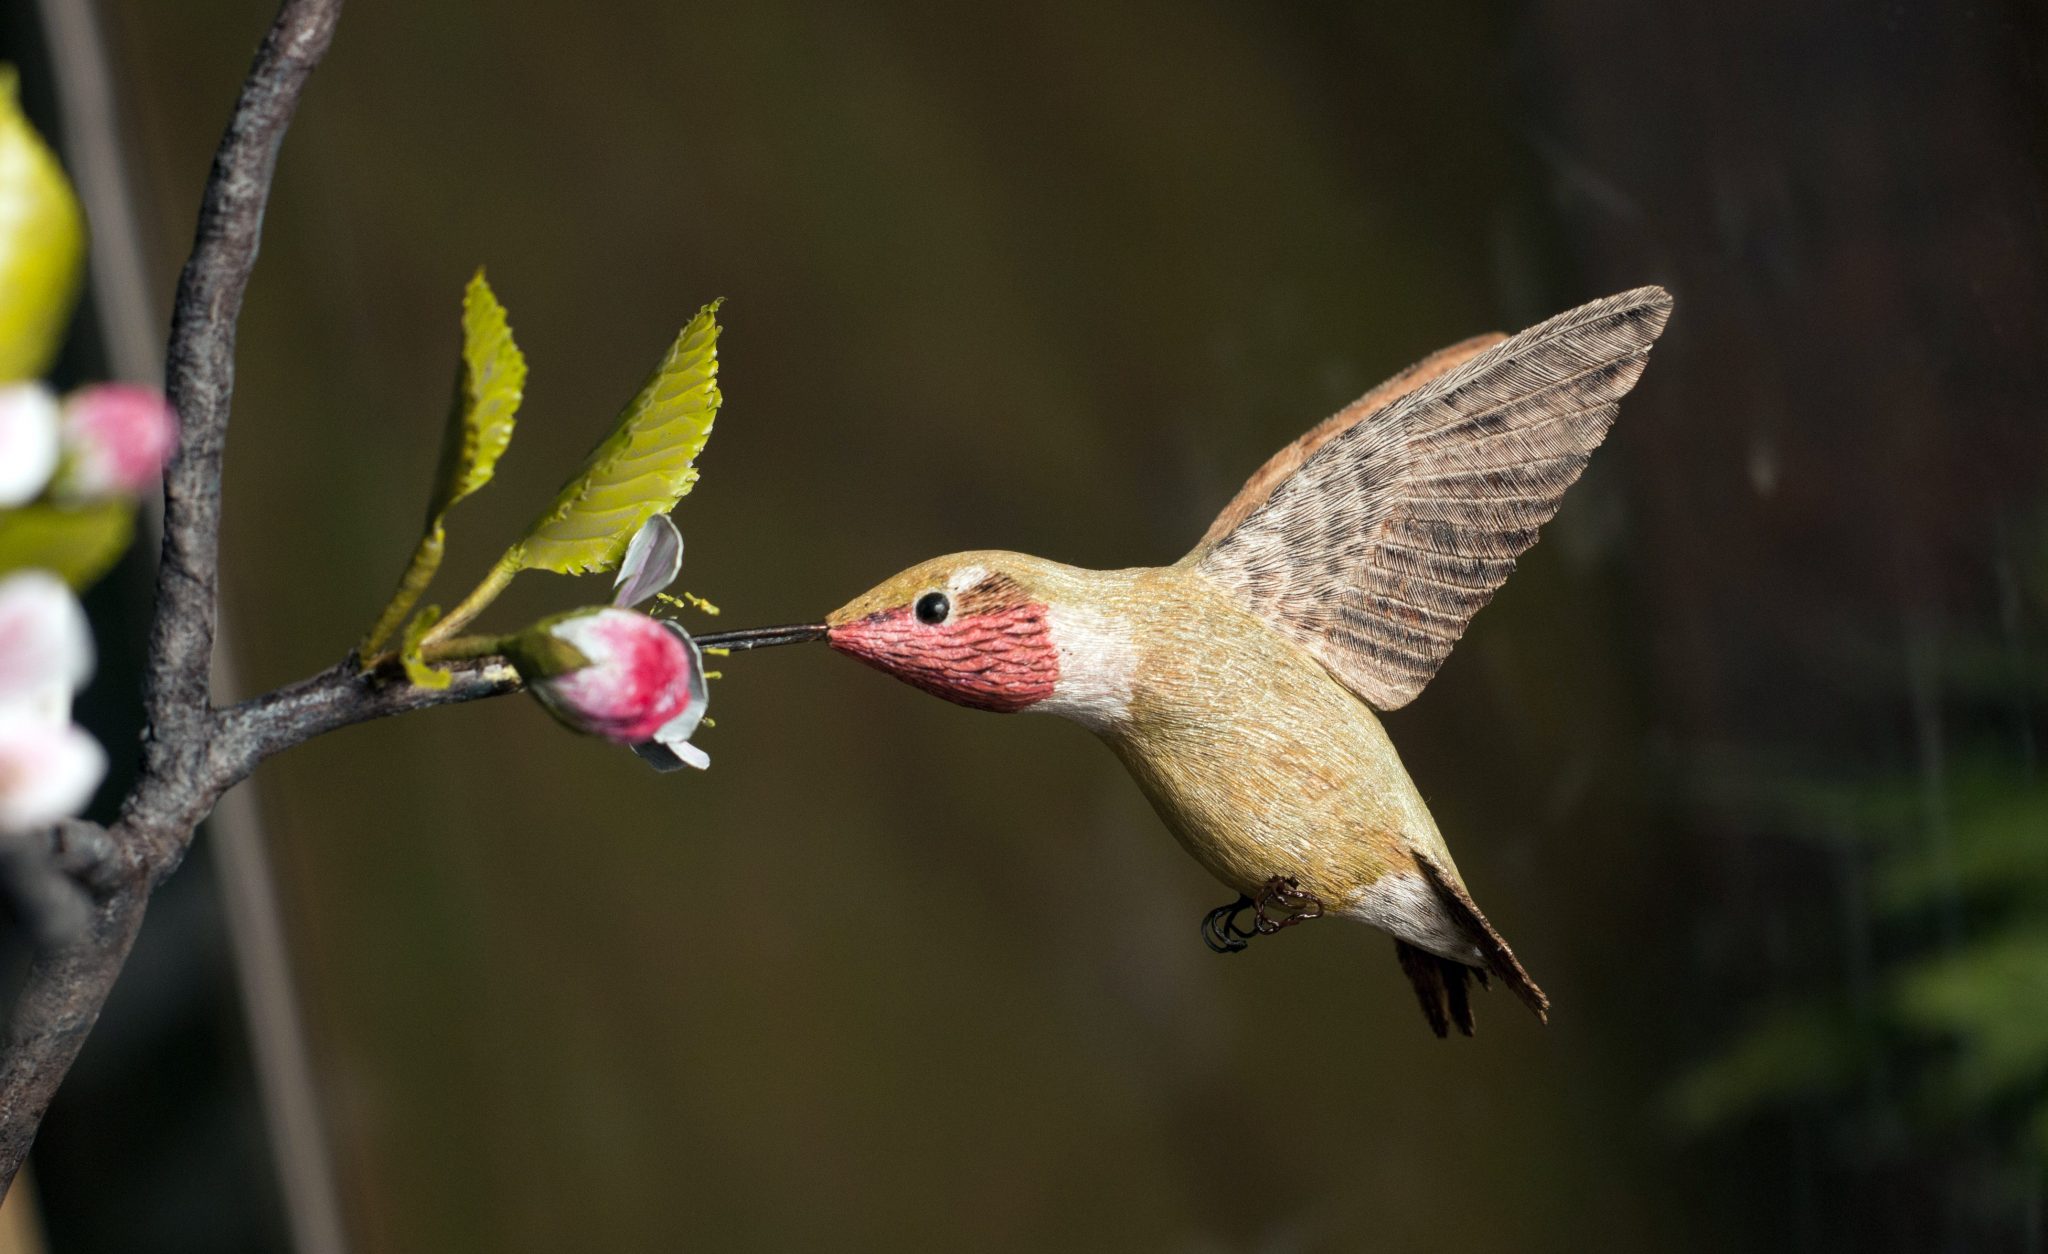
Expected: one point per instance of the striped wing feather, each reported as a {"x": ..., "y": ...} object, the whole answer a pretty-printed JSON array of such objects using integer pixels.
[
  {"x": 1288, "y": 460},
  {"x": 1403, "y": 519}
]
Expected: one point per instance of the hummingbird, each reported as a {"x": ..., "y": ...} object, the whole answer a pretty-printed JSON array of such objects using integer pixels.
[{"x": 1238, "y": 685}]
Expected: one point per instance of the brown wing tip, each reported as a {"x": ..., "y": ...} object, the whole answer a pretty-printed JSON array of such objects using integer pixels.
[
  {"x": 1635, "y": 319},
  {"x": 1653, "y": 300},
  {"x": 1499, "y": 958}
]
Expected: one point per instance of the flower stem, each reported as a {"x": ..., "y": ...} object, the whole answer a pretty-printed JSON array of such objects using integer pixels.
[
  {"x": 476, "y": 602},
  {"x": 464, "y": 648},
  {"x": 426, "y": 559}
]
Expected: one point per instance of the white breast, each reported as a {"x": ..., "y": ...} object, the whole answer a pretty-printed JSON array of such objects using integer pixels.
[{"x": 1098, "y": 662}]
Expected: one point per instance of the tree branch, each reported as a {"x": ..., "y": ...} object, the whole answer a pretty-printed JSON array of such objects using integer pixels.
[
  {"x": 180, "y": 779},
  {"x": 254, "y": 730},
  {"x": 55, "y": 908},
  {"x": 92, "y": 884},
  {"x": 200, "y": 381}
]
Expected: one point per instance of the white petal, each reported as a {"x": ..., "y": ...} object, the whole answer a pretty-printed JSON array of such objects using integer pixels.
[
  {"x": 28, "y": 441},
  {"x": 666, "y": 757},
  {"x": 692, "y": 754},
  {"x": 684, "y": 724},
  {"x": 47, "y": 771},
  {"x": 45, "y": 642},
  {"x": 582, "y": 631},
  {"x": 653, "y": 560}
]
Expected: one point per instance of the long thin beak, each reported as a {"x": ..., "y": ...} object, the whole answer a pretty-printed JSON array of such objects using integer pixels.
[{"x": 762, "y": 637}]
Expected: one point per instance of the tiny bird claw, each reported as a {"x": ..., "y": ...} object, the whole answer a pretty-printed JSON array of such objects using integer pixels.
[
  {"x": 1222, "y": 933},
  {"x": 1285, "y": 893}
]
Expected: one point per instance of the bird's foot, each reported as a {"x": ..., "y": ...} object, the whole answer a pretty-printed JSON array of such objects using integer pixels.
[
  {"x": 1284, "y": 892},
  {"x": 1280, "y": 904},
  {"x": 1220, "y": 931}
]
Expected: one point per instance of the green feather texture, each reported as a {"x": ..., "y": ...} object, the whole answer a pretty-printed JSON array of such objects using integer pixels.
[
  {"x": 489, "y": 384},
  {"x": 42, "y": 244},
  {"x": 643, "y": 468}
]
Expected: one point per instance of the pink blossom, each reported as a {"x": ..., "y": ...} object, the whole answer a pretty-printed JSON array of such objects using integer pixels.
[
  {"x": 28, "y": 441},
  {"x": 644, "y": 684},
  {"x": 117, "y": 437}
]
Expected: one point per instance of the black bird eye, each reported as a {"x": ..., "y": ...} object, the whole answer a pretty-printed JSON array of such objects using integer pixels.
[{"x": 932, "y": 608}]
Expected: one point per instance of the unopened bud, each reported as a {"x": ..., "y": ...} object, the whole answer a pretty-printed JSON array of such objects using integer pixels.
[
  {"x": 117, "y": 437},
  {"x": 643, "y": 684}
]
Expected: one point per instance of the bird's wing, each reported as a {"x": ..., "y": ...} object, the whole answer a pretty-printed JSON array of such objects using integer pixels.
[
  {"x": 1288, "y": 460},
  {"x": 1410, "y": 509}
]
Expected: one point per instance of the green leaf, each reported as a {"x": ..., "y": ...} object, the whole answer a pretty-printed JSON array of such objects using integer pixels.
[
  {"x": 416, "y": 668},
  {"x": 79, "y": 544},
  {"x": 643, "y": 468},
  {"x": 489, "y": 384},
  {"x": 488, "y": 389},
  {"x": 42, "y": 244}
]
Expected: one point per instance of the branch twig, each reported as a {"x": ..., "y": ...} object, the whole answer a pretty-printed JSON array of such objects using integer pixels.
[
  {"x": 179, "y": 783},
  {"x": 200, "y": 379},
  {"x": 192, "y": 752}
]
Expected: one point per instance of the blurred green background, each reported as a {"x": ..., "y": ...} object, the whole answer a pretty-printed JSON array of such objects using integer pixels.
[{"x": 1054, "y": 278}]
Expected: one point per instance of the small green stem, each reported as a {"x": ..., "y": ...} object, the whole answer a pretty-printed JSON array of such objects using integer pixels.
[
  {"x": 419, "y": 572},
  {"x": 476, "y": 602},
  {"x": 465, "y": 648}
]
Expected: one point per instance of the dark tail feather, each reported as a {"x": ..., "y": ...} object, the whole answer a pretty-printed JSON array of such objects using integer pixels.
[
  {"x": 1440, "y": 988},
  {"x": 1499, "y": 958},
  {"x": 1458, "y": 993}
]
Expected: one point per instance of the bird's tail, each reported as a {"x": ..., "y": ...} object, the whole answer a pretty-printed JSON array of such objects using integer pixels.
[{"x": 1442, "y": 984}]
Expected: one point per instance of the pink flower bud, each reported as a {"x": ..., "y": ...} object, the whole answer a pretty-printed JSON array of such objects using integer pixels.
[
  {"x": 45, "y": 645},
  {"x": 645, "y": 681},
  {"x": 47, "y": 770},
  {"x": 28, "y": 441},
  {"x": 117, "y": 437}
]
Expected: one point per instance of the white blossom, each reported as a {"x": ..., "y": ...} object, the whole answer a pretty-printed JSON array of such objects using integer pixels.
[{"x": 28, "y": 441}]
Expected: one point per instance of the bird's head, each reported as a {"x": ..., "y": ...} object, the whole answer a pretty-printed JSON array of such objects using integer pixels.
[
  {"x": 990, "y": 630},
  {"x": 979, "y": 629}
]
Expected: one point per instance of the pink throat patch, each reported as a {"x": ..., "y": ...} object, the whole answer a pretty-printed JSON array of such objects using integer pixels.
[{"x": 1000, "y": 659}]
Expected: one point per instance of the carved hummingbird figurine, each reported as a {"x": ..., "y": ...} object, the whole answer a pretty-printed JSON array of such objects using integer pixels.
[{"x": 1238, "y": 684}]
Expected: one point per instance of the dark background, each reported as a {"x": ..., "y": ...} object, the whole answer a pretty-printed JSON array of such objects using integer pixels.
[{"x": 1745, "y": 760}]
